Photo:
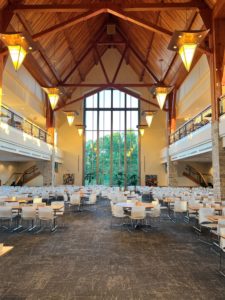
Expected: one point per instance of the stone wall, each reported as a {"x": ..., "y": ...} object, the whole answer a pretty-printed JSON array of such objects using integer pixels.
[
  {"x": 218, "y": 162},
  {"x": 172, "y": 172}
]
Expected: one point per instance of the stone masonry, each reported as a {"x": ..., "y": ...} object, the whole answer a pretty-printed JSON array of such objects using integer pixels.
[{"x": 218, "y": 162}]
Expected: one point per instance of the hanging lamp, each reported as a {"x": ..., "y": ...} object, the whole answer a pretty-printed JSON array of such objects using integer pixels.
[
  {"x": 80, "y": 129},
  {"x": 160, "y": 90},
  {"x": 141, "y": 129},
  {"x": 70, "y": 115},
  {"x": 149, "y": 114},
  {"x": 53, "y": 96},
  {"x": 186, "y": 43},
  {"x": 17, "y": 46}
]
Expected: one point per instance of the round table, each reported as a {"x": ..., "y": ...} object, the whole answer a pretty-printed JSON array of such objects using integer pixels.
[{"x": 130, "y": 205}]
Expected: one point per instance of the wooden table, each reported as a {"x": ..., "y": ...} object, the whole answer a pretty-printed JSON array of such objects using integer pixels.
[
  {"x": 5, "y": 250},
  {"x": 20, "y": 200},
  {"x": 215, "y": 218},
  {"x": 138, "y": 204}
]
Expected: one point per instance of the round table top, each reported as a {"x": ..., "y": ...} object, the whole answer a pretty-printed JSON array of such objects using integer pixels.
[{"x": 127, "y": 204}]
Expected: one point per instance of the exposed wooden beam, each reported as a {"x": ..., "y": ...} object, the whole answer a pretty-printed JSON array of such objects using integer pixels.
[
  {"x": 6, "y": 15},
  {"x": 106, "y": 85},
  {"x": 102, "y": 65},
  {"x": 138, "y": 56},
  {"x": 139, "y": 22},
  {"x": 126, "y": 6},
  {"x": 119, "y": 65},
  {"x": 83, "y": 56},
  {"x": 70, "y": 47},
  {"x": 69, "y": 23},
  {"x": 111, "y": 43},
  {"x": 149, "y": 48},
  {"x": 41, "y": 50},
  {"x": 122, "y": 89},
  {"x": 219, "y": 9},
  {"x": 91, "y": 14},
  {"x": 79, "y": 98}
]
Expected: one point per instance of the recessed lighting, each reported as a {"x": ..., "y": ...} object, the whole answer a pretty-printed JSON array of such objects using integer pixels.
[
  {"x": 30, "y": 48},
  {"x": 174, "y": 47},
  {"x": 180, "y": 36}
]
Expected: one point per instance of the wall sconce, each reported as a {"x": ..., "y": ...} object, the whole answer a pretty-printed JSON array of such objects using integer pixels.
[{"x": 80, "y": 129}]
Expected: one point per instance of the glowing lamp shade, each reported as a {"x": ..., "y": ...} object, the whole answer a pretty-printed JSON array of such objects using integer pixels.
[
  {"x": 187, "y": 52},
  {"x": 80, "y": 129},
  {"x": 53, "y": 96},
  {"x": 17, "y": 46},
  {"x": 149, "y": 118},
  {"x": 161, "y": 93},
  {"x": 186, "y": 43},
  {"x": 17, "y": 54},
  {"x": 70, "y": 118},
  {"x": 142, "y": 131}
]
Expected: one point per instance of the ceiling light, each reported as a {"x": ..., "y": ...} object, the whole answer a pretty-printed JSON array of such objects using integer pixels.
[
  {"x": 141, "y": 129},
  {"x": 80, "y": 129},
  {"x": 186, "y": 42},
  {"x": 70, "y": 117},
  {"x": 161, "y": 91},
  {"x": 53, "y": 96},
  {"x": 148, "y": 116},
  {"x": 17, "y": 46}
]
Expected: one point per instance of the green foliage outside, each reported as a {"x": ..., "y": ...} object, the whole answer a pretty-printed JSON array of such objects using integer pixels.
[{"x": 118, "y": 164}]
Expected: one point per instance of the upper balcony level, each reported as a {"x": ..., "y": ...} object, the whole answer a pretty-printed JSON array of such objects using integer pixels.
[
  {"x": 19, "y": 135},
  {"x": 194, "y": 137}
]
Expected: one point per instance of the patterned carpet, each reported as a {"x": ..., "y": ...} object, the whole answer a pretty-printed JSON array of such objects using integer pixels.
[{"x": 89, "y": 260}]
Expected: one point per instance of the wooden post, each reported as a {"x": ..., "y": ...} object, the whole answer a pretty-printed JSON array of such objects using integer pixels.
[{"x": 50, "y": 120}]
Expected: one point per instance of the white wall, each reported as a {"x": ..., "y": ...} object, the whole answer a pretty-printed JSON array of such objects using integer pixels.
[
  {"x": 194, "y": 94},
  {"x": 6, "y": 170},
  {"x": 22, "y": 93}
]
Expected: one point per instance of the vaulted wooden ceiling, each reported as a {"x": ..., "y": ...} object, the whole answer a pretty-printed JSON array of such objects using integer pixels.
[{"x": 71, "y": 36}]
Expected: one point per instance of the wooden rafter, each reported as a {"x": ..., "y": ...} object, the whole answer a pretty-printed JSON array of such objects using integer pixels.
[
  {"x": 101, "y": 64},
  {"x": 149, "y": 48},
  {"x": 106, "y": 85},
  {"x": 122, "y": 89},
  {"x": 86, "y": 52},
  {"x": 126, "y": 6},
  {"x": 70, "y": 46},
  {"x": 91, "y": 14},
  {"x": 119, "y": 65},
  {"x": 138, "y": 56}
]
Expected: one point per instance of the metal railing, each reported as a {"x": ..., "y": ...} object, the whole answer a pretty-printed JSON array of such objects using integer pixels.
[
  {"x": 12, "y": 119},
  {"x": 222, "y": 105},
  {"x": 192, "y": 125}
]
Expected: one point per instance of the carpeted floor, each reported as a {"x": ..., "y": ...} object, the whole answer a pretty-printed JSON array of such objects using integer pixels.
[{"x": 89, "y": 260}]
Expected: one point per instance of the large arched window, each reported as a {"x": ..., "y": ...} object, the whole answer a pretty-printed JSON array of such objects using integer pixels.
[{"x": 111, "y": 140}]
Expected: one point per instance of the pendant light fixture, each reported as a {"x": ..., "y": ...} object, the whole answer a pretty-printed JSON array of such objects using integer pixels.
[
  {"x": 17, "y": 46},
  {"x": 186, "y": 42},
  {"x": 160, "y": 90},
  {"x": 148, "y": 116},
  {"x": 70, "y": 115},
  {"x": 80, "y": 129},
  {"x": 141, "y": 129},
  {"x": 53, "y": 96}
]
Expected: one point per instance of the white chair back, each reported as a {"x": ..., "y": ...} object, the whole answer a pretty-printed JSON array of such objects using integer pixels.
[
  {"x": 204, "y": 212},
  {"x": 45, "y": 213},
  {"x": 5, "y": 212}
]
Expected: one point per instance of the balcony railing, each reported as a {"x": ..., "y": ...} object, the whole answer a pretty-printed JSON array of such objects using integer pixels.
[
  {"x": 222, "y": 105},
  {"x": 192, "y": 125},
  {"x": 12, "y": 119}
]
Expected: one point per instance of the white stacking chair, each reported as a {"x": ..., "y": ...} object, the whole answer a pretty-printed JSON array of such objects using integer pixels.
[
  {"x": 180, "y": 207},
  {"x": 29, "y": 214},
  {"x": 204, "y": 222},
  {"x": 75, "y": 201},
  {"x": 61, "y": 212},
  {"x": 153, "y": 215},
  {"x": 46, "y": 215},
  {"x": 6, "y": 214},
  {"x": 138, "y": 214},
  {"x": 118, "y": 214},
  {"x": 222, "y": 250}
]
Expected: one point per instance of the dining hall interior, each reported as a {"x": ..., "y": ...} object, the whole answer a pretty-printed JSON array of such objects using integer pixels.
[{"x": 112, "y": 149}]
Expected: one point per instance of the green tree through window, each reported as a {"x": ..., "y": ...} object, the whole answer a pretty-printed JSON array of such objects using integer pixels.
[{"x": 111, "y": 139}]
